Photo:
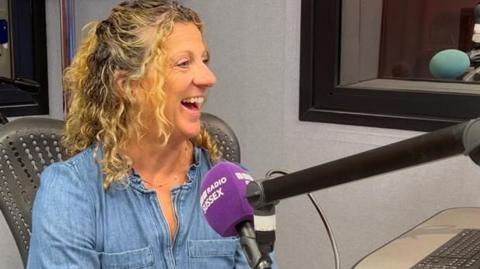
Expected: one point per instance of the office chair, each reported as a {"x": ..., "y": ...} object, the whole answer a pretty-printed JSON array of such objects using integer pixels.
[
  {"x": 224, "y": 136},
  {"x": 28, "y": 145}
]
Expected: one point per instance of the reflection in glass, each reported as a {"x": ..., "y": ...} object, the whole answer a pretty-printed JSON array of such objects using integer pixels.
[
  {"x": 5, "y": 58},
  {"x": 414, "y": 31}
]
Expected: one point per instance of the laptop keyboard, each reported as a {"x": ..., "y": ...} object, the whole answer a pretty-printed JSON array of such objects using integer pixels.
[{"x": 460, "y": 252}]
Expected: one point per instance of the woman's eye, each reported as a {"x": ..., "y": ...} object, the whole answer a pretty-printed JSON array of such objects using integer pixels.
[
  {"x": 206, "y": 61},
  {"x": 183, "y": 63}
]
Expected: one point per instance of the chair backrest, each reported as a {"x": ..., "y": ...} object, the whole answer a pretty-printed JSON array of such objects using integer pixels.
[
  {"x": 224, "y": 136},
  {"x": 28, "y": 145}
]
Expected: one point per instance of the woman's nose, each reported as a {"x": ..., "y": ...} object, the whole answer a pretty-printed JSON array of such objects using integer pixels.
[{"x": 204, "y": 76}]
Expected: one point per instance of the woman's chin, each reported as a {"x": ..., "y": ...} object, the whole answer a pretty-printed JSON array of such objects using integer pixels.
[{"x": 191, "y": 131}]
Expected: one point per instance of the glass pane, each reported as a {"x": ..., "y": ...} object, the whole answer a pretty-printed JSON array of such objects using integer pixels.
[{"x": 414, "y": 31}]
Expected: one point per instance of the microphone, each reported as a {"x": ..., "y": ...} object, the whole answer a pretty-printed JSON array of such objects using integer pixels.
[
  {"x": 223, "y": 198},
  {"x": 227, "y": 210},
  {"x": 449, "y": 64}
]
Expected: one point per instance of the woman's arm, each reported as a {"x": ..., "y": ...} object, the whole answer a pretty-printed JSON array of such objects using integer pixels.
[{"x": 63, "y": 222}]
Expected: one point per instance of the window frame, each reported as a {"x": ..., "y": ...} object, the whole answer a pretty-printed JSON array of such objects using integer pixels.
[{"x": 322, "y": 99}]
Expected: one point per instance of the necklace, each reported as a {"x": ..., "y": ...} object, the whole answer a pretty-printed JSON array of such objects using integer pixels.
[{"x": 178, "y": 177}]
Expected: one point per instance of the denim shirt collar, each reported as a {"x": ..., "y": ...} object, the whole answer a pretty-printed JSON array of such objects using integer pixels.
[{"x": 135, "y": 181}]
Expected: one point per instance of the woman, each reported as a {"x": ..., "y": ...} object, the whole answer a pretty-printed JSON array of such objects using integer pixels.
[{"x": 129, "y": 197}]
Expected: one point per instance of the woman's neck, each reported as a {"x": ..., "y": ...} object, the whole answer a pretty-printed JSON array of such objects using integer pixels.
[{"x": 154, "y": 161}]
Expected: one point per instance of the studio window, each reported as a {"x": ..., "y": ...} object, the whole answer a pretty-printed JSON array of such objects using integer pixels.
[{"x": 369, "y": 63}]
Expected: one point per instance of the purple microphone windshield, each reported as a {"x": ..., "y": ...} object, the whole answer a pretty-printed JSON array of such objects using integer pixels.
[{"x": 223, "y": 198}]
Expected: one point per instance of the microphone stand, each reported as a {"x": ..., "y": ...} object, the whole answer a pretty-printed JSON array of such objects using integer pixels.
[
  {"x": 461, "y": 138},
  {"x": 24, "y": 84},
  {"x": 3, "y": 119},
  {"x": 257, "y": 257}
]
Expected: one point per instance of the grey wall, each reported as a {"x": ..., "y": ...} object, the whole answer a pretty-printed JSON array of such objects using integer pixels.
[{"x": 255, "y": 54}]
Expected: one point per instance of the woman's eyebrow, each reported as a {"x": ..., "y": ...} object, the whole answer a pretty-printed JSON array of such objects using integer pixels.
[{"x": 190, "y": 53}]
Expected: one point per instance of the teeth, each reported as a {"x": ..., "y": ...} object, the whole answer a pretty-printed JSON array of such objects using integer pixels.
[{"x": 192, "y": 100}]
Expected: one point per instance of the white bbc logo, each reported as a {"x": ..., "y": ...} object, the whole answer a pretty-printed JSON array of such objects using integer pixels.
[{"x": 244, "y": 176}]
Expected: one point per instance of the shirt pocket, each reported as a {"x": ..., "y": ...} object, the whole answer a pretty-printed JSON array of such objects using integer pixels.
[
  {"x": 132, "y": 259},
  {"x": 212, "y": 254}
]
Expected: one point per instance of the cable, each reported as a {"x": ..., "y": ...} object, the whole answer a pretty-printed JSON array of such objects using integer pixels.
[
  {"x": 331, "y": 237},
  {"x": 329, "y": 230}
]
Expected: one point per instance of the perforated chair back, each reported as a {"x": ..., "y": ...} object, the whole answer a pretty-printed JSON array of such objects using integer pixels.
[
  {"x": 224, "y": 136},
  {"x": 27, "y": 146}
]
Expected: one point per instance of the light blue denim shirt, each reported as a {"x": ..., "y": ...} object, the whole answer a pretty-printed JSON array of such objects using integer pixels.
[{"x": 77, "y": 224}]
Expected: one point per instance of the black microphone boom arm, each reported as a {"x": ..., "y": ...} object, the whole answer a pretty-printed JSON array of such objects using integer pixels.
[{"x": 461, "y": 138}]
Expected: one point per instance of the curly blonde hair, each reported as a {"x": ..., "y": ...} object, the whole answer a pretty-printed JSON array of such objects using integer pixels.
[{"x": 98, "y": 112}]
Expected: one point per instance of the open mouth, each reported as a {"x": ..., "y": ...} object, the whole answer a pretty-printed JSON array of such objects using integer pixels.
[{"x": 193, "y": 103}]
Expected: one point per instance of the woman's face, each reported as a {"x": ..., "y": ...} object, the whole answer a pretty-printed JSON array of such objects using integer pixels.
[{"x": 187, "y": 80}]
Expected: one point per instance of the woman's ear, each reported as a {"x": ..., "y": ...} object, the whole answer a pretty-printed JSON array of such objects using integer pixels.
[{"x": 120, "y": 83}]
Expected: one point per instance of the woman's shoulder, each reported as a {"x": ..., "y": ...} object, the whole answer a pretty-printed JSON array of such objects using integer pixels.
[{"x": 79, "y": 170}]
